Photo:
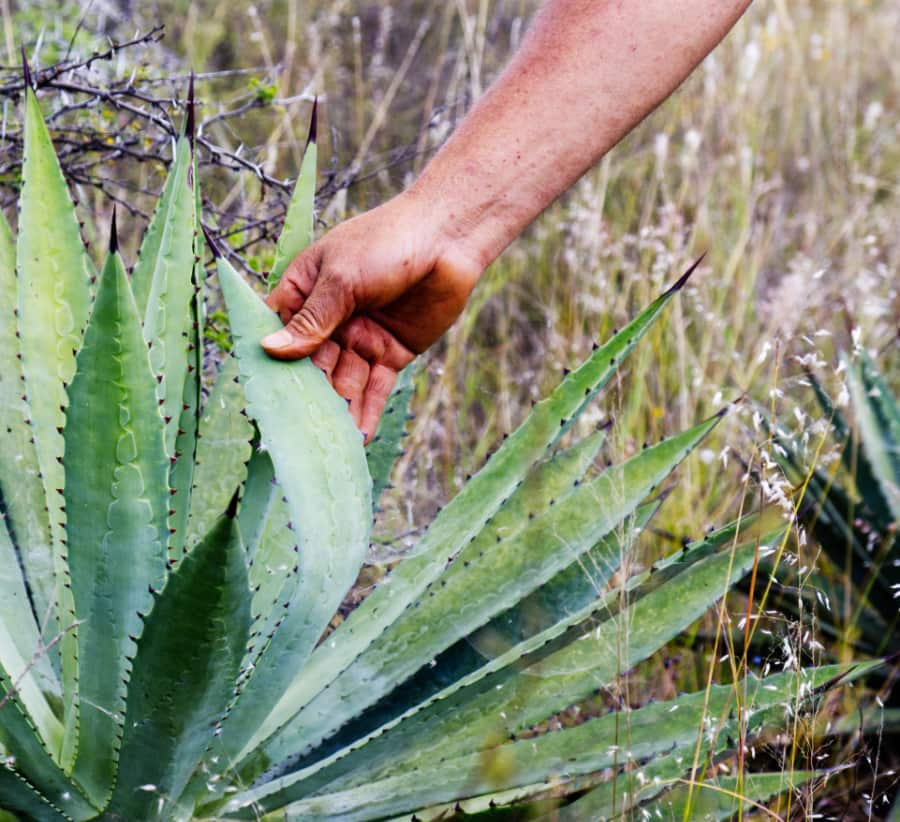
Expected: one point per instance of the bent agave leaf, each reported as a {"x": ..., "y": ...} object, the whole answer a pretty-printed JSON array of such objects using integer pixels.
[{"x": 307, "y": 430}]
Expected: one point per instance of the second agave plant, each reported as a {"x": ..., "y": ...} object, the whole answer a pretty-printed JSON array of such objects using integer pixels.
[{"x": 169, "y": 568}]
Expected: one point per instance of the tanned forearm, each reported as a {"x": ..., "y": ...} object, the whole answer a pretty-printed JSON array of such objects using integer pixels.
[
  {"x": 382, "y": 287},
  {"x": 587, "y": 72}
]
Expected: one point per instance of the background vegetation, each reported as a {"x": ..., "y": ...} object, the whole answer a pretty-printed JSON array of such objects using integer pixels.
[{"x": 780, "y": 157}]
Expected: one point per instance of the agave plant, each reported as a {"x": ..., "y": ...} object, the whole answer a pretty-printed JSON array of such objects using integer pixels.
[
  {"x": 169, "y": 570},
  {"x": 853, "y": 510}
]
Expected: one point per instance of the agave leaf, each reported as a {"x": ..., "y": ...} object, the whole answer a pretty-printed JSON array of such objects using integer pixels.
[
  {"x": 385, "y": 447},
  {"x": 21, "y": 490},
  {"x": 567, "y": 671},
  {"x": 116, "y": 500},
  {"x": 261, "y": 492},
  {"x": 366, "y": 749},
  {"x": 854, "y": 459},
  {"x": 297, "y": 233},
  {"x": 181, "y": 472},
  {"x": 164, "y": 274},
  {"x": 265, "y": 522},
  {"x": 320, "y": 462},
  {"x": 183, "y": 679},
  {"x": 22, "y": 655},
  {"x": 553, "y": 479},
  {"x": 521, "y": 687},
  {"x": 878, "y": 420},
  {"x": 597, "y": 744},
  {"x": 223, "y": 449},
  {"x": 490, "y": 575},
  {"x": 17, "y": 795},
  {"x": 834, "y": 525},
  {"x": 722, "y": 797},
  {"x": 462, "y": 519},
  {"x": 33, "y": 760},
  {"x": 54, "y": 294}
]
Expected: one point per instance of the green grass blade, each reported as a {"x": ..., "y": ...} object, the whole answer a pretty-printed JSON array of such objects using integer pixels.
[
  {"x": 33, "y": 760},
  {"x": 297, "y": 233},
  {"x": 223, "y": 449},
  {"x": 164, "y": 272},
  {"x": 722, "y": 797},
  {"x": 22, "y": 655},
  {"x": 320, "y": 463},
  {"x": 183, "y": 679},
  {"x": 21, "y": 490},
  {"x": 491, "y": 574},
  {"x": 464, "y": 517},
  {"x": 116, "y": 499},
  {"x": 54, "y": 295},
  {"x": 385, "y": 447}
]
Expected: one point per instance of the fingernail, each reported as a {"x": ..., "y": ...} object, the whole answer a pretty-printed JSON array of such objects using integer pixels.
[{"x": 280, "y": 339}]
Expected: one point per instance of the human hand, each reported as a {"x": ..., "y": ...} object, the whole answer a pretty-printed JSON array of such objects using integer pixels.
[{"x": 368, "y": 297}]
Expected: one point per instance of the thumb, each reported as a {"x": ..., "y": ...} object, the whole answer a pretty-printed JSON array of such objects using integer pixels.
[{"x": 328, "y": 305}]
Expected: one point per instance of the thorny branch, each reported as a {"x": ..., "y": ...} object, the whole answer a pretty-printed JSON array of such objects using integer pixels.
[{"x": 114, "y": 135}]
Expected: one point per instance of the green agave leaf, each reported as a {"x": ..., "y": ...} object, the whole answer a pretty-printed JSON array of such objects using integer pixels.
[
  {"x": 320, "y": 462},
  {"x": 878, "y": 419},
  {"x": 723, "y": 797},
  {"x": 164, "y": 290},
  {"x": 854, "y": 459},
  {"x": 833, "y": 521},
  {"x": 490, "y": 575},
  {"x": 568, "y": 592},
  {"x": 385, "y": 448},
  {"x": 297, "y": 233},
  {"x": 183, "y": 679},
  {"x": 33, "y": 761},
  {"x": 22, "y": 655},
  {"x": 116, "y": 500},
  {"x": 265, "y": 522},
  {"x": 261, "y": 492},
  {"x": 223, "y": 449},
  {"x": 595, "y": 745},
  {"x": 18, "y": 796},
  {"x": 465, "y": 516},
  {"x": 181, "y": 473},
  {"x": 54, "y": 294},
  {"x": 519, "y": 688},
  {"x": 548, "y": 481},
  {"x": 571, "y": 670},
  {"x": 21, "y": 490}
]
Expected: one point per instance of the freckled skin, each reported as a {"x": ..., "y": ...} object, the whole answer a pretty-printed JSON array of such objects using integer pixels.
[{"x": 384, "y": 286}]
